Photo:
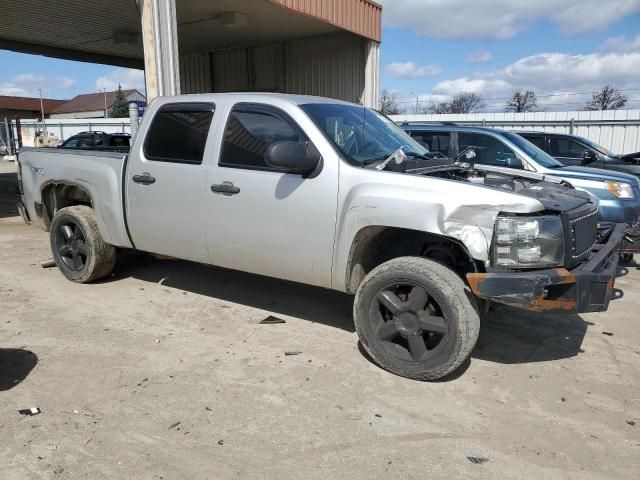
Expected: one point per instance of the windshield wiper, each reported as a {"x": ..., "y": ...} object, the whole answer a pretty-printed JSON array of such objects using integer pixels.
[
  {"x": 426, "y": 156},
  {"x": 398, "y": 156}
]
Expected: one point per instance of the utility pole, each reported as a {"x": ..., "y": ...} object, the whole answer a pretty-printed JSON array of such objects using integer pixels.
[
  {"x": 104, "y": 91},
  {"x": 44, "y": 125}
]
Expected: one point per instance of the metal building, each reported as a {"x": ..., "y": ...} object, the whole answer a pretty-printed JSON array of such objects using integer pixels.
[{"x": 318, "y": 47}]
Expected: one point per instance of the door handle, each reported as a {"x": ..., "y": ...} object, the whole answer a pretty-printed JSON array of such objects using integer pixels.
[
  {"x": 225, "y": 188},
  {"x": 144, "y": 179}
]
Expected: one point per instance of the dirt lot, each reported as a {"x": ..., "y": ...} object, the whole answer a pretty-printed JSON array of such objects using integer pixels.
[{"x": 162, "y": 371}]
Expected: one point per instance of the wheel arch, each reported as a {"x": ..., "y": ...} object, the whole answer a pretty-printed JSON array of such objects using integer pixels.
[
  {"x": 56, "y": 195},
  {"x": 377, "y": 244}
]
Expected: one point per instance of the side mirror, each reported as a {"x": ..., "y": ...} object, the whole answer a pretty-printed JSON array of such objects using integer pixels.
[
  {"x": 292, "y": 157},
  {"x": 588, "y": 157},
  {"x": 514, "y": 162}
]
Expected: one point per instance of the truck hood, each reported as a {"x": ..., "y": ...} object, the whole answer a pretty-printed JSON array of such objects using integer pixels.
[
  {"x": 552, "y": 192},
  {"x": 586, "y": 173}
]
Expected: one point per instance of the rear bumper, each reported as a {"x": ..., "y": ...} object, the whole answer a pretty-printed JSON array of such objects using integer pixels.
[{"x": 585, "y": 288}]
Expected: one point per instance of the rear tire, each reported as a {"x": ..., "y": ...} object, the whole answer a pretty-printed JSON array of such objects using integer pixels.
[
  {"x": 416, "y": 318},
  {"x": 77, "y": 246}
]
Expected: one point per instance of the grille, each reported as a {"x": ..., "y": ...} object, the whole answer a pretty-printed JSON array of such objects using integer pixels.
[{"x": 583, "y": 226}]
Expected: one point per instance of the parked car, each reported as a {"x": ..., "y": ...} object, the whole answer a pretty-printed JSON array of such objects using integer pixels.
[
  {"x": 4, "y": 148},
  {"x": 98, "y": 141},
  {"x": 319, "y": 191},
  {"x": 617, "y": 193},
  {"x": 574, "y": 150}
]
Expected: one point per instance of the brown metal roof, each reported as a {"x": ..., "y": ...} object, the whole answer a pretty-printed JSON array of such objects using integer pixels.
[
  {"x": 29, "y": 103},
  {"x": 363, "y": 17},
  {"x": 90, "y": 102}
]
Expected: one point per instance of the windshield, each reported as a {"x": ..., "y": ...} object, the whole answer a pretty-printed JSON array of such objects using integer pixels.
[
  {"x": 362, "y": 135},
  {"x": 600, "y": 148},
  {"x": 540, "y": 156}
]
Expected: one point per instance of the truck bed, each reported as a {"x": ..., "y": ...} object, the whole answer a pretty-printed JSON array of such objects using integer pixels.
[{"x": 98, "y": 173}]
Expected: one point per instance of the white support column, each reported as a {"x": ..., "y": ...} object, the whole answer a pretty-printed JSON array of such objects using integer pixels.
[
  {"x": 160, "y": 41},
  {"x": 371, "y": 92}
]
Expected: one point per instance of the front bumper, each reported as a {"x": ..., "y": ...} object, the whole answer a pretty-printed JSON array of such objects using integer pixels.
[
  {"x": 630, "y": 240},
  {"x": 585, "y": 288}
]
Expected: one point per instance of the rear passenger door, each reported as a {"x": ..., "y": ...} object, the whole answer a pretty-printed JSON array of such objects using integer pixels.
[
  {"x": 166, "y": 182},
  {"x": 267, "y": 221}
]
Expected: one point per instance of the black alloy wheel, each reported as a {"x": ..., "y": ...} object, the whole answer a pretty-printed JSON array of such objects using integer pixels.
[
  {"x": 409, "y": 323},
  {"x": 70, "y": 242}
]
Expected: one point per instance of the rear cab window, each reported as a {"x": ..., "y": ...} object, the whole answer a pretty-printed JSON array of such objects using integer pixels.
[
  {"x": 178, "y": 133},
  {"x": 250, "y": 130}
]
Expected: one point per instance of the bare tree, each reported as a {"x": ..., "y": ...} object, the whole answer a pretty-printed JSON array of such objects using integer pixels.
[
  {"x": 389, "y": 103},
  {"x": 608, "y": 98},
  {"x": 522, "y": 101},
  {"x": 439, "y": 108},
  {"x": 466, "y": 102}
]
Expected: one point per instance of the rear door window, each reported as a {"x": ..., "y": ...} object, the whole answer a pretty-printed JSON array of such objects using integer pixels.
[
  {"x": 537, "y": 140},
  {"x": 119, "y": 141},
  {"x": 250, "y": 130},
  {"x": 434, "y": 141},
  {"x": 567, "y": 148},
  {"x": 178, "y": 133},
  {"x": 71, "y": 143},
  {"x": 489, "y": 150}
]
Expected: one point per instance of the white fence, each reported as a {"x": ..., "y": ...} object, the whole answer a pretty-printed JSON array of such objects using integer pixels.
[
  {"x": 618, "y": 130},
  {"x": 67, "y": 127}
]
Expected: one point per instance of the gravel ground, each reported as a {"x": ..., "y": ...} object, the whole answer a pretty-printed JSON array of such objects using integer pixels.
[{"x": 164, "y": 372}]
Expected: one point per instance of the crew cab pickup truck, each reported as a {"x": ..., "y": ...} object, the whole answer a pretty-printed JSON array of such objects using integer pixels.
[{"x": 334, "y": 195}]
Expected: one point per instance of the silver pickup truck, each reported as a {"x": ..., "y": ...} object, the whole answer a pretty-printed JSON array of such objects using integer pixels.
[{"x": 335, "y": 195}]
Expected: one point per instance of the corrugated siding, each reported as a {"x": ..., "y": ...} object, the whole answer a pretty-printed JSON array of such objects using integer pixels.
[
  {"x": 332, "y": 66},
  {"x": 230, "y": 72},
  {"x": 195, "y": 73},
  {"x": 363, "y": 17},
  {"x": 598, "y": 126},
  {"x": 266, "y": 74}
]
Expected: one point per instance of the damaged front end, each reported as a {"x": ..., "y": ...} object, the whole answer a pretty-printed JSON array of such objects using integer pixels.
[
  {"x": 554, "y": 260},
  {"x": 586, "y": 288}
]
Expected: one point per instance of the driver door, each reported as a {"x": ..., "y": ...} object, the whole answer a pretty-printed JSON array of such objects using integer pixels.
[
  {"x": 570, "y": 152},
  {"x": 271, "y": 223}
]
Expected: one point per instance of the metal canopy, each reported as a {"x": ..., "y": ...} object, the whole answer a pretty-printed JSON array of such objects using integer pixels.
[{"x": 109, "y": 32}]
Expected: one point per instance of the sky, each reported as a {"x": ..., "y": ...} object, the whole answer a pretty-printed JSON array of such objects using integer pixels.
[{"x": 432, "y": 49}]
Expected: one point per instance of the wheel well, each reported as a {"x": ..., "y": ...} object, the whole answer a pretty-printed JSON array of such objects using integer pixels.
[
  {"x": 375, "y": 245},
  {"x": 56, "y": 196}
]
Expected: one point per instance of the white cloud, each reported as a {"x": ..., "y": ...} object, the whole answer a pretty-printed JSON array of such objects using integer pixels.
[
  {"x": 411, "y": 70},
  {"x": 621, "y": 44},
  {"x": 555, "y": 74},
  {"x": 502, "y": 18},
  {"x": 27, "y": 85},
  {"x": 479, "y": 56},
  {"x": 126, "y": 77}
]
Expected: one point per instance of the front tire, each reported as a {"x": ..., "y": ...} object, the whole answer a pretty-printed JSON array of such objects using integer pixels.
[
  {"x": 626, "y": 258},
  {"x": 416, "y": 318},
  {"x": 79, "y": 250}
]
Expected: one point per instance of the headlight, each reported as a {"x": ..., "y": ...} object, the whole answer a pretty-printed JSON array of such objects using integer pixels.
[
  {"x": 528, "y": 242},
  {"x": 620, "y": 189}
]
